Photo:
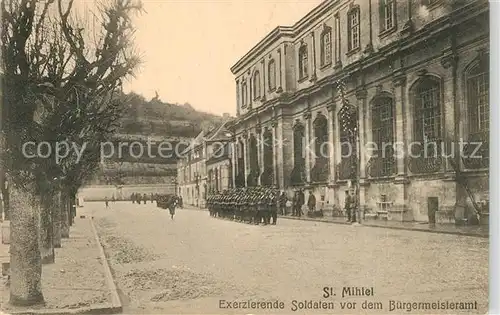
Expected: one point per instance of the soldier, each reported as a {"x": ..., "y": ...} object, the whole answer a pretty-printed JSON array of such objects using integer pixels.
[
  {"x": 274, "y": 206},
  {"x": 301, "y": 201},
  {"x": 311, "y": 202},
  {"x": 282, "y": 203}
]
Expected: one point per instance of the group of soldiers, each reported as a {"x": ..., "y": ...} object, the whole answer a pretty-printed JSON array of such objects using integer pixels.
[
  {"x": 137, "y": 198},
  {"x": 253, "y": 205}
]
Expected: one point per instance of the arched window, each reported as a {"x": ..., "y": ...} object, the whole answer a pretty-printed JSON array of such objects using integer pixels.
[
  {"x": 298, "y": 173},
  {"x": 353, "y": 28},
  {"x": 240, "y": 177},
  {"x": 303, "y": 62},
  {"x": 326, "y": 46},
  {"x": 256, "y": 85},
  {"x": 272, "y": 75},
  {"x": 268, "y": 172},
  {"x": 254, "y": 162},
  {"x": 427, "y": 113},
  {"x": 319, "y": 172},
  {"x": 478, "y": 102},
  {"x": 382, "y": 115}
]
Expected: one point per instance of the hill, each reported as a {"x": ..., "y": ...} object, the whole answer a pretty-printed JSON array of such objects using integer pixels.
[{"x": 157, "y": 118}]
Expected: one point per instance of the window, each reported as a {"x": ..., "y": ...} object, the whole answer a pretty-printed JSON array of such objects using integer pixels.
[
  {"x": 387, "y": 14},
  {"x": 383, "y": 135},
  {"x": 326, "y": 47},
  {"x": 427, "y": 100},
  {"x": 478, "y": 99},
  {"x": 256, "y": 85},
  {"x": 244, "y": 94},
  {"x": 303, "y": 61},
  {"x": 272, "y": 74},
  {"x": 354, "y": 33}
]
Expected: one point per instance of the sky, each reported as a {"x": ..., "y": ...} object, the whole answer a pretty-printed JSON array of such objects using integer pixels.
[{"x": 188, "y": 47}]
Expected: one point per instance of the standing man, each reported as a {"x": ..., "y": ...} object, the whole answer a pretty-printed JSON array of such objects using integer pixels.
[
  {"x": 301, "y": 202},
  {"x": 145, "y": 198},
  {"x": 348, "y": 205},
  {"x": 106, "y": 202},
  {"x": 274, "y": 206},
  {"x": 311, "y": 202},
  {"x": 282, "y": 203}
]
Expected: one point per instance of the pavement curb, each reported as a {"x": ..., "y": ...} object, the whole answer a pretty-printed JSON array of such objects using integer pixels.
[
  {"x": 116, "y": 304},
  {"x": 115, "y": 307},
  {"x": 393, "y": 227}
]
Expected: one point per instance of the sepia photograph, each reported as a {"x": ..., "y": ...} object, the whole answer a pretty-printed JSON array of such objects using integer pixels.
[{"x": 247, "y": 157}]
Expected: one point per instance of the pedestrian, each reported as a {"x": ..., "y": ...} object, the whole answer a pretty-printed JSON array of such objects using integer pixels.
[
  {"x": 274, "y": 207},
  {"x": 282, "y": 203},
  {"x": 138, "y": 198},
  {"x": 106, "y": 202},
  {"x": 347, "y": 205},
  {"x": 132, "y": 197},
  {"x": 311, "y": 202},
  {"x": 171, "y": 207},
  {"x": 145, "y": 198},
  {"x": 301, "y": 202},
  {"x": 152, "y": 198}
]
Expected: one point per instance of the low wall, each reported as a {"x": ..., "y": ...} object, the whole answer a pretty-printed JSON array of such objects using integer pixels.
[{"x": 100, "y": 192}]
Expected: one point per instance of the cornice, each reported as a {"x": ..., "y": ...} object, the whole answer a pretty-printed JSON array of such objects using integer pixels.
[{"x": 433, "y": 29}]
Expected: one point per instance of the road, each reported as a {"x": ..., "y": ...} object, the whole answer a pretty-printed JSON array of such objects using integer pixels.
[{"x": 189, "y": 265}]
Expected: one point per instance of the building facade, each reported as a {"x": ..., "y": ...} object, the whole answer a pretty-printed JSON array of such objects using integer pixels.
[
  {"x": 417, "y": 73},
  {"x": 192, "y": 173},
  {"x": 219, "y": 166}
]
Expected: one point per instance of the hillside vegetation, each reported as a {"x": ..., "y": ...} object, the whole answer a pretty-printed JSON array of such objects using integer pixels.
[{"x": 155, "y": 117}]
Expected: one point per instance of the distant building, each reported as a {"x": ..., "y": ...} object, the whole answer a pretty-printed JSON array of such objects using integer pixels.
[
  {"x": 416, "y": 71},
  {"x": 205, "y": 166}
]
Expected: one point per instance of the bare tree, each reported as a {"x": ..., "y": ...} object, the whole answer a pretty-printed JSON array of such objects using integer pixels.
[{"x": 62, "y": 81}]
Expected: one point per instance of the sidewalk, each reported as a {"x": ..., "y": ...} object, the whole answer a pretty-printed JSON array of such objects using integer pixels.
[
  {"x": 77, "y": 282},
  {"x": 476, "y": 231}
]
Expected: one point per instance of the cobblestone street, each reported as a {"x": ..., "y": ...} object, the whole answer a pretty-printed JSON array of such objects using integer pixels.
[{"x": 191, "y": 263}]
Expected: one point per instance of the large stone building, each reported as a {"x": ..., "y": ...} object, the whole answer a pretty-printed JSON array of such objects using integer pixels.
[{"x": 416, "y": 70}]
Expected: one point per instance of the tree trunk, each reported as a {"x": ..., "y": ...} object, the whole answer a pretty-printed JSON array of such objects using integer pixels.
[
  {"x": 56, "y": 219},
  {"x": 25, "y": 262},
  {"x": 46, "y": 230},
  {"x": 65, "y": 218},
  {"x": 6, "y": 201}
]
